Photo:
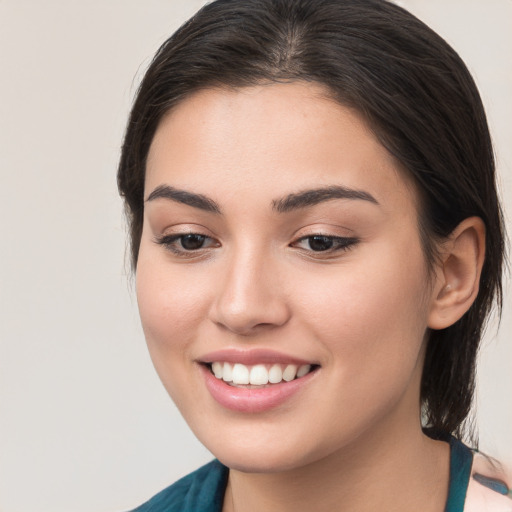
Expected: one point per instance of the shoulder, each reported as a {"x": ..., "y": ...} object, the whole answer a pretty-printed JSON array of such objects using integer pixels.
[
  {"x": 489, "y": 487},
  {"x": 201, "y": 490}
]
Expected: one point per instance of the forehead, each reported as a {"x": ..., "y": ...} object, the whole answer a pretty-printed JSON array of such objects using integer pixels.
[{"x": 272, "y": 138}]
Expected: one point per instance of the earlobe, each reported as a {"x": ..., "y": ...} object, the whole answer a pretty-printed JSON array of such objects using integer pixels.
[{"x": 458, "y": 275}]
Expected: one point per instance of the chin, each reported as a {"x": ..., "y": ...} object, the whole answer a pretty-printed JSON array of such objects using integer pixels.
[
  {"x": 261, "y": 462},
  {"x": 262, "y": 455}
]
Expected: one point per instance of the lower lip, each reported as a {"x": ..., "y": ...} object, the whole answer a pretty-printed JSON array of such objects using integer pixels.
[{"x": 256, "y": 399}]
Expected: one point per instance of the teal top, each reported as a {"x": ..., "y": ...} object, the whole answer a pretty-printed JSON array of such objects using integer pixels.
[
  {"x": 203, "y": 490},
  {"x": 461, "y": 460}
]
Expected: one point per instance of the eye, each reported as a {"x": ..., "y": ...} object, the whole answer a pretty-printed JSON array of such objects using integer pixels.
[
  {"x": 320, "y": 243},
  {"x": 186, "y": 243},
  {"x": 325, "y": 243},
  {"x": 192, "y": 241}
]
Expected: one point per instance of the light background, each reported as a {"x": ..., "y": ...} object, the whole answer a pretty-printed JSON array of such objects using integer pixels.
[{"x": 84, "y": 422}]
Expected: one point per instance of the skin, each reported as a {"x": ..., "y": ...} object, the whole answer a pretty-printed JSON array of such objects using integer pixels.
[{"x": 361, "y": 313}]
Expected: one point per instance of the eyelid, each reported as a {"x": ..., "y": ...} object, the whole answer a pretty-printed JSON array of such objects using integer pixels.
[
  {"x": 174, "y": 242},
  {"x": 169, "y": 240},
  {"x": 344, "y": 243},
  {"x": 184, "y": 228},
  {"x": 326, "y": 235}
]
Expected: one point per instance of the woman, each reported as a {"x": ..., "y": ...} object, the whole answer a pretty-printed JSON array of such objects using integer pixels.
[{"x": 317, "y": 242}]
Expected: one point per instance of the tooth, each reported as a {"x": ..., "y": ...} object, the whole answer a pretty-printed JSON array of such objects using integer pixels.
[
  {"x": 217, "y": 369},
  {"x": 303, "y": 370},
  {"x": 275, "y": 374},
  {"x": 227, "y": 372},
  {"x": 240, "y": 374},
  {"x": 289, "y": 372},
  {"x": 258, "y": 375}
]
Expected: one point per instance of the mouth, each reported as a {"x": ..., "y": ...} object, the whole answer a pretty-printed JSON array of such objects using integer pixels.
[
  {"x": 256, "y": 380},
  {"x": 259, "y": 375}
]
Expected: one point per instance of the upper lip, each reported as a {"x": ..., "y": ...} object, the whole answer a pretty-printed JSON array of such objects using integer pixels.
[{"x": 251, "y": 357}]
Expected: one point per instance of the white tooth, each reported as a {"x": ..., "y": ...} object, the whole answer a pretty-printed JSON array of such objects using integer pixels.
[
  {"x": 258, "y": 375},
  {"x": 303, "y": 370},
  {"x": 275, "y": 374},
  {"x": 289, "y": 372},
  {"x": 217, "y": 369},
  {"x": 240, "y": 374},
  {"x": 227, "y": 372}
]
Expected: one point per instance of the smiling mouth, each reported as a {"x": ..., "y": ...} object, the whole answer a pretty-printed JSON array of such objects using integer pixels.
[{"x": 258, "y": 375}]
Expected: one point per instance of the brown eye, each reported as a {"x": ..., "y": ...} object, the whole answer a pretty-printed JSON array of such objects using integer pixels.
[
  {"x": 186, "y": 244},
  {"x": 320, "y": 243},
  {"x": 325, "y": 244},
  {"x": 192, "y": 242}
]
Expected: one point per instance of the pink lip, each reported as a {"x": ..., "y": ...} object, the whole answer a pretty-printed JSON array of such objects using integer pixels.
[
  {"x": 251, "y": 357},
  {"x": 252, "y": 400}
]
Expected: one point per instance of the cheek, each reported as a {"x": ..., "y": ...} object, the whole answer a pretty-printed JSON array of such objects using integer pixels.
[
  {"x": 371, "y": 322},
  {"x": 169, "y": 302},
  {"x": 372, "y": 313},
  {"x": 172, "y": 304}
]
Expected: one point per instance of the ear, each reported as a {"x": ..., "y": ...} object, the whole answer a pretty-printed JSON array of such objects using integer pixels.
[{"x": 458, "y": 275}]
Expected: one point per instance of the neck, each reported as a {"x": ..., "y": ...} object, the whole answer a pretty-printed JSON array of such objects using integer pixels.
[{"x": 376, "y": 472}]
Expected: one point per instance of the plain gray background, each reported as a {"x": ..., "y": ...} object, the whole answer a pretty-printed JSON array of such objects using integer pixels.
[{"x": 84, "y": 422}]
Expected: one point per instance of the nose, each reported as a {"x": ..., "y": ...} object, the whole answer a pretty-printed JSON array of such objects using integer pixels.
[{"x": 250, "y": 295}]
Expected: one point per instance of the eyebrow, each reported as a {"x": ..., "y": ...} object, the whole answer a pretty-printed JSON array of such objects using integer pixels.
[
  {"x": 182, "y": 196},
  {"x": 315, "y": 196},
  {"x": 294, "y": 201}
]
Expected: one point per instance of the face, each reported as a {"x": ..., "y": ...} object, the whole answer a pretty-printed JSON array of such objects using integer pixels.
[{"x": 281, "y": 282}]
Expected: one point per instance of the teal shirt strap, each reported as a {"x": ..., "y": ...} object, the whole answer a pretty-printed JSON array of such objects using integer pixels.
[{"x": 461, "y": 461}]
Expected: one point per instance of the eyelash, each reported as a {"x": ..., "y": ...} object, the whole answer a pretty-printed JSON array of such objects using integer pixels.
[
  {"x": 169, "y": 242},
  {"x": 339, "y": 244}
]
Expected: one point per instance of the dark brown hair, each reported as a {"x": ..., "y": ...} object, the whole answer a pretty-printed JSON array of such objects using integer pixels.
[{"x": 412, "y": 89}]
